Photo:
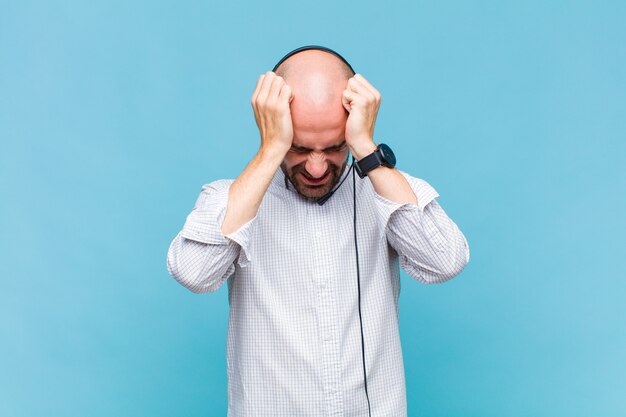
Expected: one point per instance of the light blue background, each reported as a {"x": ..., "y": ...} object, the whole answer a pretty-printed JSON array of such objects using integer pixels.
[{"x": 113, "y": 114}]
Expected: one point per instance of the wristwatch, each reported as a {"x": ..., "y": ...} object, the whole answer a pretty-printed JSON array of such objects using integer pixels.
[{"x": 382, "y": 156}]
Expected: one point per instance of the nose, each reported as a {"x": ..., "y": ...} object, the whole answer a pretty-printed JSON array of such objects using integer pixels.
[{"x": 316, "y": 164}]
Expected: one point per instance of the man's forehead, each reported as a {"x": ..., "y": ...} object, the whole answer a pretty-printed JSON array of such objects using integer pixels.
[{"x": 319, "y": 142}]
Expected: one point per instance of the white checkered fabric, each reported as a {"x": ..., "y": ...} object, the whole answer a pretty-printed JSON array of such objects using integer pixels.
[{"x": 294, "y": 343}]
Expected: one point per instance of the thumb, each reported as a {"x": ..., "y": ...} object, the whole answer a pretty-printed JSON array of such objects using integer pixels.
[
  {"x": 346, "y": 99},
  {"x": 286, "y": 93}
]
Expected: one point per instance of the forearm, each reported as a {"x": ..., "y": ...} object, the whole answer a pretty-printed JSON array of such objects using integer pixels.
[
  {"x": 389, "y": 183},
  {"x": 201, "y": 257},
  {"x": 433, "y": 250},
  {"x": 431, "y": 246},
  {"x": 247, "y": 191}
]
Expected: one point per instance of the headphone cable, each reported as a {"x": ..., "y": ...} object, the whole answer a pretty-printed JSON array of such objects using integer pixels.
[{"x": 358, "y": 282}]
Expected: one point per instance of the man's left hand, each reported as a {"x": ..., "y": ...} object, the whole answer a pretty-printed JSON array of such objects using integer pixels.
[{"x": 362, "y": 101}]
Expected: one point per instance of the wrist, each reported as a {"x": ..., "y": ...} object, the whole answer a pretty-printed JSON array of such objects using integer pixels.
[
  {"x": 363, "y": 148},
  {"x": 382, "y": 156},
  {"x": 273, "y": 152}
]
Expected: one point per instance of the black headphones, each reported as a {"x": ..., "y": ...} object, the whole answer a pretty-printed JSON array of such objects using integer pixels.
[
  {"x": 327, "y": 196},
  {"x": 309, "y": 48}
]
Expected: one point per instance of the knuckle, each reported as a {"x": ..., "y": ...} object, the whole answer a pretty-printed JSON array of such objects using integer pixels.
[{"x": 271, "y": 106}]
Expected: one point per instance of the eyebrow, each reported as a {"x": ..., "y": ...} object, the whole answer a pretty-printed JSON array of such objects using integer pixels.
[{"x": 329, "y": 149}]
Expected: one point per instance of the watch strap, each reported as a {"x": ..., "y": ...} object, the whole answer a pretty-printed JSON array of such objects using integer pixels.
[{"x": 370, "y": 162}]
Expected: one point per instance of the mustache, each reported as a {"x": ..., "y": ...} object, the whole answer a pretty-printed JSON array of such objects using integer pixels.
[{"x": 301, "y": 169}]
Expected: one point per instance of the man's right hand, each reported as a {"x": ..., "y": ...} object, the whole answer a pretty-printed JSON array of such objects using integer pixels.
[{"x": 270, "y": 102}]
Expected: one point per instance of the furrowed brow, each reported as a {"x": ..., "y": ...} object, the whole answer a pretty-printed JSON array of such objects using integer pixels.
[
  {"x": 329, "y": 149},
  {"x": 300, "y": 148},
  {"x": 335, "y": 147}
]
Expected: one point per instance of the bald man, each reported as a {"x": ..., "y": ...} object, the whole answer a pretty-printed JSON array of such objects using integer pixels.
[{"x": 294, "y": 343}]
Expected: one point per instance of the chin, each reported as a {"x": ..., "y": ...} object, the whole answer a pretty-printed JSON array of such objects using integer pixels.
[
  {"x": 316, "y": 191},
  {"x": 312, "y": 193}
]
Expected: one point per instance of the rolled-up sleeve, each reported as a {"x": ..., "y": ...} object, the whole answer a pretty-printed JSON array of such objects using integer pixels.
[
  {"x": 201, "y": 257},
  {"x": 430, "y": 245}
]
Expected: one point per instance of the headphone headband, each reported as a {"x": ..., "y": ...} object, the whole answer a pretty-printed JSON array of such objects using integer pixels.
[{"x": 309, "y": 48}]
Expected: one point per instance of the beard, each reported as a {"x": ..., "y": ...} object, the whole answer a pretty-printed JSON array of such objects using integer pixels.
[{"x": 309, "y": 191}]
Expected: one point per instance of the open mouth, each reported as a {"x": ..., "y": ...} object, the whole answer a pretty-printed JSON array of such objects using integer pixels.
[{"x": 315, "y": 181}]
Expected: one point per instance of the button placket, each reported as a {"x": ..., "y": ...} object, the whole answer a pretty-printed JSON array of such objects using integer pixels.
[{"x": 323, "y": 273}]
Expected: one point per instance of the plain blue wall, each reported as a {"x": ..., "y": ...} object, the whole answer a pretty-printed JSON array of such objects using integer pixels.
[{"x": 113, "y": 114}]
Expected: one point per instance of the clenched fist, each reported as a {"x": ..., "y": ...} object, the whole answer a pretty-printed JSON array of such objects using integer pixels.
[
  {"x": 362, "y": 101},
  {"x": 270, "y": 102}
]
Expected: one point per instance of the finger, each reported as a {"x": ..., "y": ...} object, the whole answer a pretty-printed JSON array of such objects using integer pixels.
[
  {"x": 266, "y": 86},
  {"x": 355, "y": 85},
  {"x": 286, "y": 94},
  {"x": 291, "y": 94},
  {"x": 277, "y": 85},
  {"x": 257, "y": 88},
  {"x": 347, "y": 99},
  {"x": 368, "y": 85}
]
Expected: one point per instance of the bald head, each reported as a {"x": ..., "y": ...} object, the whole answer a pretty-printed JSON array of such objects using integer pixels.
[
  {"x": 317, "y": 79},
  {"x": 311, "y": 59}
]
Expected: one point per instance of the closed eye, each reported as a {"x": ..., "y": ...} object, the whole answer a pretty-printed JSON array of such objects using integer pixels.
[
  {"x": 330, "y": 149},
  {"x": 300, "y": 150},
  {"x": 336, "y": 148}
]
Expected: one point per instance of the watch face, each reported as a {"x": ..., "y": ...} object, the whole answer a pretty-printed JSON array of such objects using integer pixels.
[{"x": 387, "y": 155}]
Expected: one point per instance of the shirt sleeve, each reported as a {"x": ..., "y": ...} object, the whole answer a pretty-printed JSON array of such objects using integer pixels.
[
  {"x": 430, "y": 245},
  {"x": 200, "y": 257}
]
